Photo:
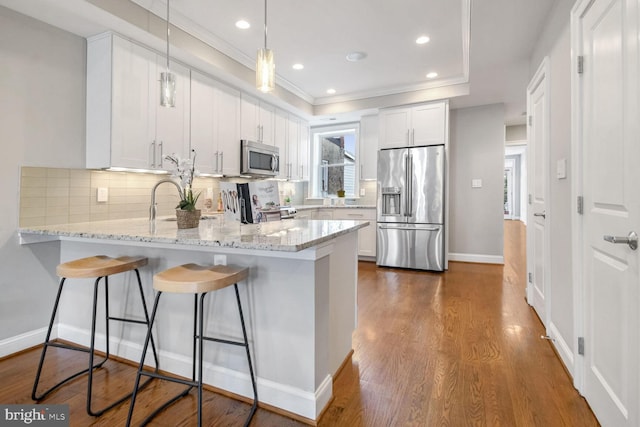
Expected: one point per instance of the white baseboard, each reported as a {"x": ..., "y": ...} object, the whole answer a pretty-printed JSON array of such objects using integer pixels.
[
  {"x": 479, "y": 258},
  {"x": 24, "y": 341},
  {"x": 562, "y": 348},
  {"x": 294, "y": 400}
]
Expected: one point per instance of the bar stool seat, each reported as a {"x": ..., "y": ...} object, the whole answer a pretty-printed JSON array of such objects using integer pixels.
[
  {"x": 98, "y": 267},
  {"x": 198, "y": 280}
]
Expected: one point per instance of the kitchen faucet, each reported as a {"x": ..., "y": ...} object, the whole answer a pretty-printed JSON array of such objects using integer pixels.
[{"x": 154, "y": 208}]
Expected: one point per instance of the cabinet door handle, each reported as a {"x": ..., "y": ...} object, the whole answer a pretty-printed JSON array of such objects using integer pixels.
[
  {"x": 160, "y": 161},
  {"x": 221, "y": 161},
  {"x": 152, "y": 149}
]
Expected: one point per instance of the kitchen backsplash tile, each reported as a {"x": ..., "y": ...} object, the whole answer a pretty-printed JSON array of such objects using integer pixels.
[{"x": 59, "y": 196}]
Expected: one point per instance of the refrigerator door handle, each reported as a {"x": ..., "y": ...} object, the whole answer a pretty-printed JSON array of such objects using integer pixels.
[
  {"x": 410, "y": 185},
  {"x": 407, "y": 192},
  {"x": 400, "y": 227}
]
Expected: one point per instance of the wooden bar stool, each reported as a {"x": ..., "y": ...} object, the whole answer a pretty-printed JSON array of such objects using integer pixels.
[
  {"x": 97, "y": 267},
  {"x": 197, "y": 280}
]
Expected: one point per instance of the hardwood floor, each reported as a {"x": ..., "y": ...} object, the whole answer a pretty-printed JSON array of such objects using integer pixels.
[{"x": 431, "y": 349}]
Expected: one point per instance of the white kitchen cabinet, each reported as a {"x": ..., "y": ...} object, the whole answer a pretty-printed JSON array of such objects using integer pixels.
[
  {"x": 257, "y": 120},
  {"x": 215, "y": 125},
  {"x": 281, "y": 137},
  {"x": 366, "y": 235},
  {"x": 323, "y": 213},
  {"x": 424, "y": 124},
  {"x": 297, "y": 155},
  {"x": 291, "y": 135},
  {"x": 125, "y": 125},
  {"x": 303, "y": 150},
  {"x": 306, "y": 213},
  {"x": 368, "y": 147}
]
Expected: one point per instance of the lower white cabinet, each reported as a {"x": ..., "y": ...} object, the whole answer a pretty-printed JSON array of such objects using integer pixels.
[{"x": 367, "y": 235}]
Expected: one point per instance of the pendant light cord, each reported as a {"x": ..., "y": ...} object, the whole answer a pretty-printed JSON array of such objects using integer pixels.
[
  {"x": 265, "y": 25},
  {"x": 168, "y": 33}
]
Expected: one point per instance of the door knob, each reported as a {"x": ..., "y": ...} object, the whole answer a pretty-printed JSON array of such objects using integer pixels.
[
  {"x": 631, "y": 240},
  {"x": 543, "y": 214}
]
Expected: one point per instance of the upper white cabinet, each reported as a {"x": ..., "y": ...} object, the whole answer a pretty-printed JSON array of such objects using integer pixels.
[
  {"x": 424, "y": 124},
  {"x": 257, "y": 120},
  {"x": 291, "y": 136},
  {"x": 281, "y": 139},
  {"x": 215, "y": 125},
  {"x": 126, "y": 126},
  {"x": 368, "y": 147}
]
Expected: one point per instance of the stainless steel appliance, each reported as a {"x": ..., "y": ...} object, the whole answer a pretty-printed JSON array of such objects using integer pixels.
[
  {"x": 259, "y": 160},
  {"x": 410, "y": 207},
  {"x": 288, "y": 212}
]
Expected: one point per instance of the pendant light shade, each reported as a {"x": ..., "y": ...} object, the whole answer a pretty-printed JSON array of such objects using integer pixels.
[
  {"x": 265, "y": 70},
  {"x": 167, "y": 78},
  {"x": 265, "y": 66}
]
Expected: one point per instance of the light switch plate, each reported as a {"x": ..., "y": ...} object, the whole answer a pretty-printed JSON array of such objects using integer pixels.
[
  {"x": 561, "y": 169},
  {"x": 103, "y": 194},
  {"x": 476, "y": 183}
]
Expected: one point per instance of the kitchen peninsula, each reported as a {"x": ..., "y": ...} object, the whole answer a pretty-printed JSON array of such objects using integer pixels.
[{"x": 300, "y": 299}]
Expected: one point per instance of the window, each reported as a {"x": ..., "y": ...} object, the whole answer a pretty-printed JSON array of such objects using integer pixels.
[{"x": 334, "y": 159}]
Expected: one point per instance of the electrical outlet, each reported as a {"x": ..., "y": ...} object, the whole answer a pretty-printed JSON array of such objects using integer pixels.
[
  {"x": 362, "y": 192},
  {"x": 219, "y": 260},
  {"x": 103, "y": 194}
]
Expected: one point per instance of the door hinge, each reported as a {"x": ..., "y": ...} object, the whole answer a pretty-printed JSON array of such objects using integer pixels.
[
  {"x": 530, "y": 278},
  {"x": 581, "y": 346},
  {"x": 530, "y": 120},
  {"x": 580, "y": 64},
  {"x": 580, "y": 205},
  {"x": 530, "y": 199}
]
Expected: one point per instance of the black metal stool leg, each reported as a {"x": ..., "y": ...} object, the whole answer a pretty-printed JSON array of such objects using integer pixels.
[
  {"x": 200, "y": 356},
  {"x": 254, "y": 407},
  {"x": 48, "y": 343},
  {"x": 144, "y": 354},
  {"x": 146, "y": 318},
  {"x": 34, "y": 396}
]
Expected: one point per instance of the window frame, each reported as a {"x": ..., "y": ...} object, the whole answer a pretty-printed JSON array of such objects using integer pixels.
[{"x": 317, "y": 132}]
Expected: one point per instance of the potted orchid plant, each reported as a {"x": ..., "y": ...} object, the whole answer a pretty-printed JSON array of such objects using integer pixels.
[{"x": 184, "y": 171}]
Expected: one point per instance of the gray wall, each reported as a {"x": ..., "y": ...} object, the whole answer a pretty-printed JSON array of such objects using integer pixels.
[
  {"x": 477, "y": 152},
  {"x": 515, "y": 133},
  {"x": 42, "y": 81},
  {"x": 555, "y": 42}
]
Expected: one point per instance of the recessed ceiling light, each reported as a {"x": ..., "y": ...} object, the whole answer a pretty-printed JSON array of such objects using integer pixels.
[
  {"x": 331, "y": 91},
  {"x": 356, "y": 56},
  {"x": 242, "y": 24},
  {"x": 432, "y": 75},
  {"x": 298, "y": 66},
  {"x": 422, "y": 40}
]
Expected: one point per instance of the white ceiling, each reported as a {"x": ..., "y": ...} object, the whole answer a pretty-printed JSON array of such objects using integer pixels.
[{"x": 486, "y": 43}]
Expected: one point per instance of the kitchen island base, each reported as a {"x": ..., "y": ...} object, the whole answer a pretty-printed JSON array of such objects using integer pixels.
[{"x": 300, "y": 312}]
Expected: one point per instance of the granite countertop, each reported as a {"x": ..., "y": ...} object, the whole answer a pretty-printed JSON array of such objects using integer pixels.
[{"x": 290, "y": 235}]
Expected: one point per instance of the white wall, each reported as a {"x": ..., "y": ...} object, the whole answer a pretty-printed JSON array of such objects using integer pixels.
[
  {"x": 555, "y": 42},
  {"x": 476, "y": 214},
  {"x": 42, "y": 81}
]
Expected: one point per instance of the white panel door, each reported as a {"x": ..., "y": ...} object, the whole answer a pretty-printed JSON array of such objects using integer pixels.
[
  {"x": 608, "y": 124},
  {"x": 537, "y": 233}
]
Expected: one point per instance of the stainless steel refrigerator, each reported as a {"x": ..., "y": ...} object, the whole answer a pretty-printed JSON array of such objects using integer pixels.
[{"x": 410, "y": 207}]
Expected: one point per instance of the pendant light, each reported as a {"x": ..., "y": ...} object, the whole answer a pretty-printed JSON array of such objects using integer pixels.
[
  {"x": 167, "y": 78},
  {"x": 265, "y": 68}
]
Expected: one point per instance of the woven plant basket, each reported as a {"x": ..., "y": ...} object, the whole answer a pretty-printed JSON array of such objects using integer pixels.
[{"x": 188, "y": 219}]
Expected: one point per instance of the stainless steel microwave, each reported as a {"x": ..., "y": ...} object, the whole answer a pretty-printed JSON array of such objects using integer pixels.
[{"x": 259, "y": 160}]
